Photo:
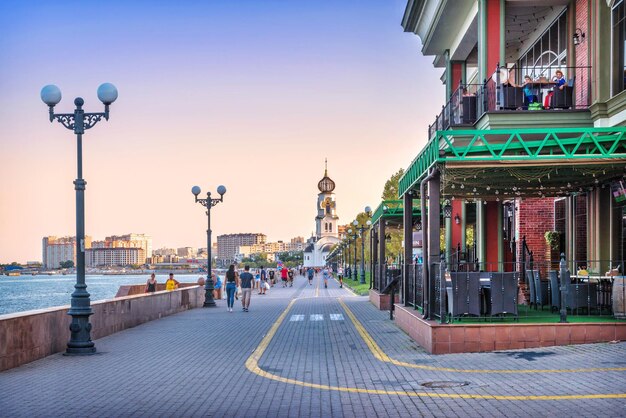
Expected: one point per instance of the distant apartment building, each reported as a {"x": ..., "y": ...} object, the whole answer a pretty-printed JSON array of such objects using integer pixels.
[
  {"x": 56, "y": 250},
  {"x": 228, "y": 244},
  {"x": 270, "y": 248},
  {"x": 187, "y": 252},
  {"x": 127, "y": 241},
  {"x": 101, "y": 257},
  {"x": 165, "y": 251}
]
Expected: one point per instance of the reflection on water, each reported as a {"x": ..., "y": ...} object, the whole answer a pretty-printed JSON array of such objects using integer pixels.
[{"x": 25, "y": 293}]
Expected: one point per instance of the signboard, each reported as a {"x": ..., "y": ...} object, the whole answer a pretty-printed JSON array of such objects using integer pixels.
[
  {"x": 417, "y": 239},
  {"x": 619, "y": 192}
]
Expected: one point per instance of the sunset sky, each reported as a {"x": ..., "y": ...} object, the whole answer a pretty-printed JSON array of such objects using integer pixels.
[{"x": 250, "y": 94}]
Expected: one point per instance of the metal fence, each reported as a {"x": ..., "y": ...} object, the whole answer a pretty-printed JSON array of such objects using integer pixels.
[{"x": 533, "y": 291}]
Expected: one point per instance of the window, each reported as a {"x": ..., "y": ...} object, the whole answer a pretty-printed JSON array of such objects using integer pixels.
[
  {"x": 619, "y": 42},
  {"x": 548, "y": 53}
]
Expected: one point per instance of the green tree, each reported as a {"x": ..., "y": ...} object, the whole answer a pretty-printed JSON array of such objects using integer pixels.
[
  {"x": 390, "y": 191},
  {"x": 66, "y": 264}
]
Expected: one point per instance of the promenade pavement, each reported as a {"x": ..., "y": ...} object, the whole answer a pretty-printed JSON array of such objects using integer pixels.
[{"x": 308, "y": 351}]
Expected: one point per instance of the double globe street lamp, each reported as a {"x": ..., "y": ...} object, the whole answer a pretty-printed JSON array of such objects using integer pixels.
[
  {"x": 208, "y": 203},
  {"x": 80, "y": 339}
]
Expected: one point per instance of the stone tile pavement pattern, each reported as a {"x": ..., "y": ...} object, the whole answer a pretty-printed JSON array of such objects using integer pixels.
[{"x": 193, "y": 364}]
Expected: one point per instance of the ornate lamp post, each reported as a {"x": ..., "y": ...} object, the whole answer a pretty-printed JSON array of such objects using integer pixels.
[
  {"x": 208, "y": 203},
  {"x": 361, "y": 229},
  {"x": 354, "y": 237},
  {"x": 80, "y": 340}
]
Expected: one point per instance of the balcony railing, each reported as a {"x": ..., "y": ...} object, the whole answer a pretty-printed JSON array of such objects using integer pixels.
[{"x": 502, "y": 93}]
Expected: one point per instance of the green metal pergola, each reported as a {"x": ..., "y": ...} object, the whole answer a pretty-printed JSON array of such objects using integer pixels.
[{"x": 520, "y": 162}]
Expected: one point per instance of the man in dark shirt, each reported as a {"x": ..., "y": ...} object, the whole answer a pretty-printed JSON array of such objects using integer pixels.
[{"x": 246, "y": 279}]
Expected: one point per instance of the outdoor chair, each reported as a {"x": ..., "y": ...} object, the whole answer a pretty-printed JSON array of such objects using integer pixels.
[
  {"x": 465, "y": 294},
  {"x": 541, "y": 290},
  {"x": 512, "y": 97},
  {"x": 504, "y": 294},
  {"x": 562, "y": 99},
  {"x": 555, "y": 295},
  {"x": 530, "y": 282},
  {"x": 582, "y": 295}
]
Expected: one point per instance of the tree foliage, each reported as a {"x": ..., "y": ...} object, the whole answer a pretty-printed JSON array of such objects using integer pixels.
[
  {"x": 66, "y": 264},
  {"x": 390, "y": 191}
]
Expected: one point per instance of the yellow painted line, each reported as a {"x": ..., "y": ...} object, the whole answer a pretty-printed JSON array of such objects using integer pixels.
[
  {"x": 380, "y": 355},
  {"x": 252, "y": 364}
]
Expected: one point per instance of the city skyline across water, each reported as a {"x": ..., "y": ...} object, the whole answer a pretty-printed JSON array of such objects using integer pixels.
[{"x": 252, "y": 95}]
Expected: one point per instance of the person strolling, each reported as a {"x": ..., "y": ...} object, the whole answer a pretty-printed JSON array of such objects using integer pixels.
[
  {"x": 263, "y": 287},
  {"x": 340, "y": 275},
  {"x": 246, "y": 279},
  {"x": 283, "y": 276},
  {"x": 231, "y": 286},
  {"x": 151, "y": 284},
  {"x": 325, "y": 273},
  {"x": 310, "y": 273}
]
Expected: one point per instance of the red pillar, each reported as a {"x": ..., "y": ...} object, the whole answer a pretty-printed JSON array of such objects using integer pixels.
[{"x": 493, "y": 36}]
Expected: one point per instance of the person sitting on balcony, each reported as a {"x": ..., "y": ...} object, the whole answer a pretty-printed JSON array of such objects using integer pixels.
[
  {"x": 530, "y": 94},
  {"x": 560, "y": 81}
]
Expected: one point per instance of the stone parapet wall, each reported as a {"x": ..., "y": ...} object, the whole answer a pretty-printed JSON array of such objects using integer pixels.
[{"x": 32, "y": 335}]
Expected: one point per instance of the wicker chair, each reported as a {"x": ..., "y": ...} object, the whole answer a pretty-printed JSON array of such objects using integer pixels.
[
  {"x": 504, "y": 294},
  {"x": 465, "y": 294}
]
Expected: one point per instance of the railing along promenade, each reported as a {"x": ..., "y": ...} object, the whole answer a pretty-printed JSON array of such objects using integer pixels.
[{"x": 32, "y": 335}]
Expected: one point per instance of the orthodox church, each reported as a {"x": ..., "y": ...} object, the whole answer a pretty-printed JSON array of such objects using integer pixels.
[{"x": 326, "y": 229}]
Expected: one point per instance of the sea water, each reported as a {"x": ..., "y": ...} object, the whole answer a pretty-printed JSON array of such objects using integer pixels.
[{"x": 24, "y": 293}]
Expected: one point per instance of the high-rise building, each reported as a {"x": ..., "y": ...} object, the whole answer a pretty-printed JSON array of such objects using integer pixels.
[
  {"x": 128, "y": 241},
  {"x": 98, "y": 257},
  {"x": 228, "y": 244},
  {"x": 56, "y": 250}
]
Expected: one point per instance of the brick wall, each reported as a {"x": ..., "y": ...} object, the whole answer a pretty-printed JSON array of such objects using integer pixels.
[
  {"x": 535, "y": 217},
  {"x": 582, "y": 82}
]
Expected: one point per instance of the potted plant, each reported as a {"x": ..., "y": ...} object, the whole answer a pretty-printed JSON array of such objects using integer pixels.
[{"x": 553, "y": 239}]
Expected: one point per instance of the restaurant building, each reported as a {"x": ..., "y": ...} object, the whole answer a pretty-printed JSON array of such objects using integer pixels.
[{"x": 526, "y": 161}]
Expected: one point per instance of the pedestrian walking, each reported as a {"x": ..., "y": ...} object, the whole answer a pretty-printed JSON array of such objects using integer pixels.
[
  {"x": 171, "y": 283},
  {"x": 325, "y": 273},
  {"x": 232, "y": 281},
  {"x": 340, "y": 275},
  {"x": 310, "y": 273},
  {"x": 283, "y": 276},
  {"x": 263, "y": 287},
  {"x": 272, "y": 280},
  {"x": 151, "y": 284},
  {"x": 246, "y": 279},
  {"x": 290, "y": 275}
]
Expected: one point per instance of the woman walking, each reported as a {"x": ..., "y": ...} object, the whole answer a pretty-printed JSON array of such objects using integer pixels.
[
  {"x": 151, "y": 284},
  {"x": 231, "y": 286}
]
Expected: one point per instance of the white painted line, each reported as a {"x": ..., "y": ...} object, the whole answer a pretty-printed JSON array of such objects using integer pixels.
[
  {"x": 336, "y": 317},
  {"x": 316, "y": 317},
  {"x": 295, "y": 318}
]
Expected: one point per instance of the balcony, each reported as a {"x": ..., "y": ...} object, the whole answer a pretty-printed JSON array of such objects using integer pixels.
[{"x": 502, "y": 103}]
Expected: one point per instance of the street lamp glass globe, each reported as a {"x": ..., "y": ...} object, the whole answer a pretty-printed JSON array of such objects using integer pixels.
[
  {"x": 221, "y": 189},
  {"x": 368, "y": 209},
  {"x": 107, "y": 93},
  {"x": 350, "y": 231},
  {"x": 355, "y": 222},
  {"x": 195, "y": 190},
  {"x": 51, "y": 95},
  {"x": 369, "y": 223}
]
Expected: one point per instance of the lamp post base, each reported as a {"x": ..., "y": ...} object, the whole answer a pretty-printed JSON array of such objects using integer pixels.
[{"x": 209, "y": 302}]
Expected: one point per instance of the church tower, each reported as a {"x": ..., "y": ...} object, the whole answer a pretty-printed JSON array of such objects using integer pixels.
[
  {"x": 326, "y": 233},
  {"x": 326, "y": 219}
]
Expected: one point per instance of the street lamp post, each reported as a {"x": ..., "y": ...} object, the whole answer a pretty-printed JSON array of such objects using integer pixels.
[
  {"x": 208, "y": 203},
  {"x": 361, "y": 229},
  {"x": 80, "y": 328},
  {"x": 354, "y": 237}
]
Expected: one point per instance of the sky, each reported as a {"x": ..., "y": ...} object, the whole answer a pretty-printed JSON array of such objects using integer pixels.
[{"x": 250, "y": 94}]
